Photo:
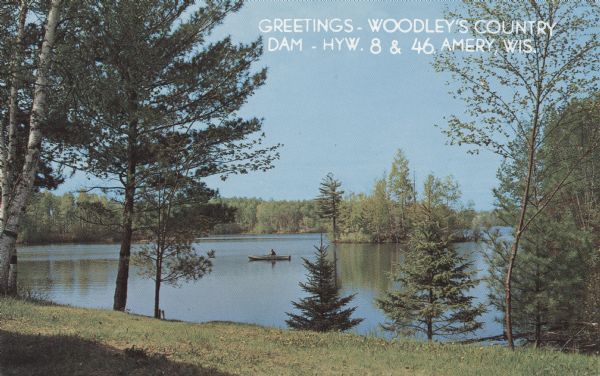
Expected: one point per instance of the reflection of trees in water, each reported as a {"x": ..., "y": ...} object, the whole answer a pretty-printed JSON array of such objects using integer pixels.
[
  {"x": 369, "y": 265},
  {"x": 366, "y": 265},
  {"x": 67, "y": 275},
  {"x": 35, "y": 277}
]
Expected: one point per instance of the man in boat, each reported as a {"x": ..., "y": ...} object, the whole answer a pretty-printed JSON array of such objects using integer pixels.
[{"x": 273, "y": 252}]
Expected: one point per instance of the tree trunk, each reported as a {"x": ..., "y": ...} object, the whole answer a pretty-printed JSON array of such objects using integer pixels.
[
  {"x": 538, "y": 329},
  {"x": 429, "y": 330},
  {"x": 9, "y": 156},
  {"x": 430, "y": 319},
  {"x": 8, "y": 240},
  {"x": 14, "y": 206},
  {"x": 120, "y": 299},
  {"x": 12, "y": 275},
  {"x": 334, "y": 219},
  {"x": 157, "y": 298},
  {"x": 157, "y": 281},
  {"x": 519, "y": 231}
]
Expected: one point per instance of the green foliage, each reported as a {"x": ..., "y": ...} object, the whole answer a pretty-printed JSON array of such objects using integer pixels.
[
  {"x": 68, "y": 218},
  {"x": 388, "y": 212},
  {"x": 434, "y": 279},
  {"x": 401, "y": 194},
  {"x": 257, "y": 216},
  {"x": 378, "y": 213},
  {"x": 399, "y": 180},
  {"x": 157, "y": 84},
  {"x": 549, "y": 281},
  {"x": 510, "y": 99},
  {"x": 553, "y": 288},
  {"x": 174, "y": 209},
  {"x": 161, "y": 92},
  {"x": 329, "y": 201},
  {"x": 323, "y": 310}
]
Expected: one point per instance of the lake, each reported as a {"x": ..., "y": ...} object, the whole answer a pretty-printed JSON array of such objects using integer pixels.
[{"x": 236, "y": 290}]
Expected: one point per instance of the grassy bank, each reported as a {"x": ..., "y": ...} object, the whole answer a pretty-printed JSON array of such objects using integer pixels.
[{"x": 38, "y": 339}]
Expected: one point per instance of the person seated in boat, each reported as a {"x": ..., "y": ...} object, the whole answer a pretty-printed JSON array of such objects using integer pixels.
[{"x": 273, "y": 253}]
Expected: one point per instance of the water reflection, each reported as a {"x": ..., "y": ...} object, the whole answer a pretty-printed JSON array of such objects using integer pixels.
[
  {"x": 236, "y": 290},
  {"x": 367, "y": 265}
]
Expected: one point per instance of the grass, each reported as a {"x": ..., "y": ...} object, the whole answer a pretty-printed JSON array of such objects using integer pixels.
[{"x": 43, "y": 339}]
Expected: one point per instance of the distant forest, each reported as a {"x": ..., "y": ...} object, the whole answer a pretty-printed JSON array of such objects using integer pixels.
[{"x": 82, "y": 218}]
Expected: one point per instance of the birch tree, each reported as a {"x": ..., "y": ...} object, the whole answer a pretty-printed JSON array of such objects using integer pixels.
[
  {"x": 17, "y": 181},
  {"x": 509, "y": 96}
]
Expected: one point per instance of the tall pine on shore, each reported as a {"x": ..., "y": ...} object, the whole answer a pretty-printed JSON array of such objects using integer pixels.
[
  {"x": 434, "y": 278},
  {"x": 156, "y": 80},
  {"x": 330, "y": 200},
  {"x": 323, "y": 310}
]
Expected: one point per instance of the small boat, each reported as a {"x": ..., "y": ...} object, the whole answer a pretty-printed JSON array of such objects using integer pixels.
[{"x": 269, "y": 258}]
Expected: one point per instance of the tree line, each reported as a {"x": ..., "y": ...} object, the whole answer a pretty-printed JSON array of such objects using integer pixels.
[
  {"x": 259, "y": 216},
  {"x": 372, "y": 217},
  {"x": 88, "y": 217},
  {"x": 68, "y": 219}
]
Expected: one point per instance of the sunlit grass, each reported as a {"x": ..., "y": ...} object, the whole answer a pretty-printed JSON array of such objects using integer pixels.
[{"x": 128, "y": 344}]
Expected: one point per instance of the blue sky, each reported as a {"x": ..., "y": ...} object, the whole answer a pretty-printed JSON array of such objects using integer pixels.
[{"x": 347, "y": 113}]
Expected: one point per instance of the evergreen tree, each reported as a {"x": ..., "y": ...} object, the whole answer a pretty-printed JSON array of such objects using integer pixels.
[
  {"x": 549, "y": 284},
  {"x": 157, "y": 80},
  {"x": 434, "y": 278},
  {"x": 329, "y": 200},
  {"x": 323, "y": 310}
]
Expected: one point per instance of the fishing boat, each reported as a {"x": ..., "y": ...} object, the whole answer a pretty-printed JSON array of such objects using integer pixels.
[{"x": 270, "y": 258}]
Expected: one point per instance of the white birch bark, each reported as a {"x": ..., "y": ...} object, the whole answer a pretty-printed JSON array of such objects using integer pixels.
[
  {"x": 9, "y": 149},
  {"x": 19, "y": 196}
]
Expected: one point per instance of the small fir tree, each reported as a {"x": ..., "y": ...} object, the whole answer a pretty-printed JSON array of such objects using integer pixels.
[
  {"x": 434, "y": 278},
  {"x": 323, "y": 310}
]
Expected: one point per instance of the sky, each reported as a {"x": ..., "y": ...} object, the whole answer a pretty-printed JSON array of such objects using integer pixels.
[{"x": 347, "y": 113}]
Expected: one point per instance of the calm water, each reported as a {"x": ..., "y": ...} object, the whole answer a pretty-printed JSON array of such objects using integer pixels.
[{"x": 236, "y": 290}]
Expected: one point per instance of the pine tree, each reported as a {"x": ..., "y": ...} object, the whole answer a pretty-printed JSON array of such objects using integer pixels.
[
  {"x": 549, "y": 284},
  {"x": 434, "y": 278},
  {"x": 329, "y": 200},
  {"x": 158, "y": 78},
  {"x": 323, "y": 310}
]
